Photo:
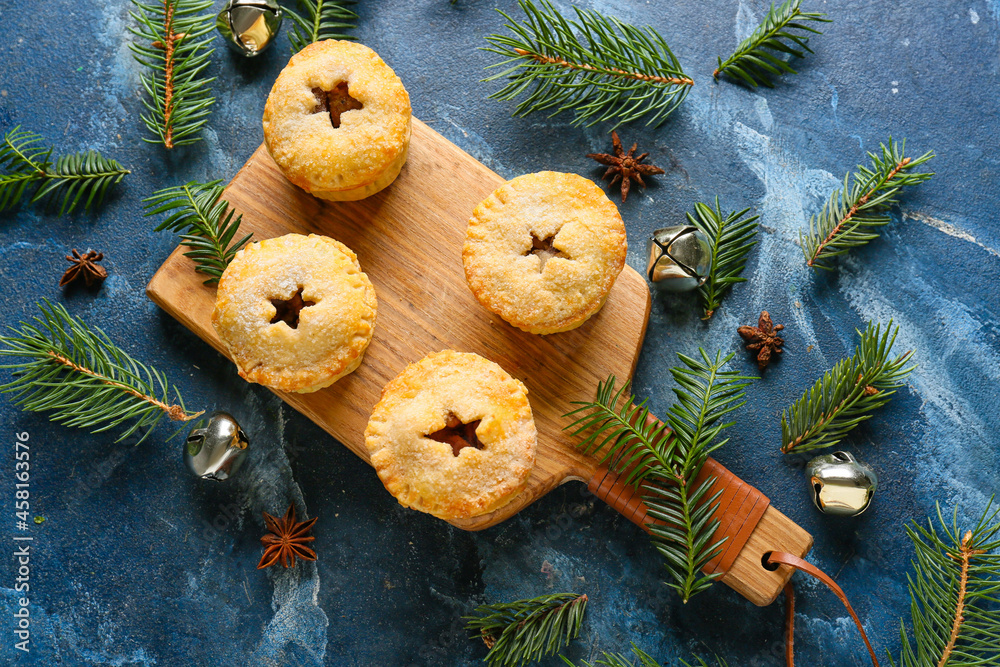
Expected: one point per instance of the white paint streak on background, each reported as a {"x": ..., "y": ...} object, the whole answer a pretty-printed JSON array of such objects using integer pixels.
[
  {"x": 949, "y": 229},
  {"x": 790, "y": 191},
  {"x": 794, "y": 191},
  {"x": 746, "y": 22},
  {"x": 945, "y": 408}
]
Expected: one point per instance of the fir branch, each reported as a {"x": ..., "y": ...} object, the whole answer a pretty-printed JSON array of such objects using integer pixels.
[
  {"x": 198, "y": 213},
  {"x": 175, "y": 36},
  {"x": 82, "y": 379},
  {"x": 527, "y": 630},
  {"x": 317, "y": 20},
  {"x": 847, "y": 394},
  {"x": 732, "y": 238},
  {"x": 705, "y": 395},
  {"x": 596, "y": 65},
  {"x": 664, "y": 464},
  {"x": 956, "y": 622},
  {"x": 74, "y": 179},
  {"x": 719, "y": 662},
  {"x": 645, "y": 660},
  {"x": 753, "y": 62},
  {"x": 853, "y": 214},
  {"x": 621, "y": 434}
]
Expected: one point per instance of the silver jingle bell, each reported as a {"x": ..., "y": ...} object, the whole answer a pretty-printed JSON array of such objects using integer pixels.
[
  {"x": 215, "y": 451},
  {"x": 249, "y": 26},
  {"x": 841, "y": 485},
  {"x": 680, "y": 258}
]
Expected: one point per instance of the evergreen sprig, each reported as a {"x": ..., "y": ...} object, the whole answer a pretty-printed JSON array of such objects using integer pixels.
[
  {"x": 853, "y": 214},
  {"x": 685, "y": 539},
  {"x": 719, "y": 662},
  {"x": 596, "y": 65},
  {"x": 74, "y": 179},
  {"x": 317, "y": 20},
  {"x": 81, "y": 378},
  {"x": 204, "y": 221},
  {"x": 664, "y": 463},
  {"x": 754, "y": 61},
  {"x": 645, "y": 660},
  {"x": 847, "y": 394},
  {"x": 954, "y": 592},
  {"x": 527, "y": 630},
  {"x": 175, "y": 38},
  {"x": 732, "y": 238}
]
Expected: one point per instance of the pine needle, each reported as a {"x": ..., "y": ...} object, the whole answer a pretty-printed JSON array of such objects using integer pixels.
[
  {"x": 732, "y": 238},
  {"x": 847, "y": 394},
  {"x": 754, "y": 61},
  {"x": 664, "y": 464},
  {"x": 596, "y": 65},
  {"x": 317, "y": 20},
  {"x": 174, "y": 36},
  {"x": 701, "y": 663},
  {"x": 853, "y": 214},
  {"x": 197, "y": 212},
  {"x": 954, "y": 591},
  {"x": 525, "y": 631},
  {"x": 82, "y": 379},
  {"x": 75, "y": 179},
  {"x": 645, "y": 660}
]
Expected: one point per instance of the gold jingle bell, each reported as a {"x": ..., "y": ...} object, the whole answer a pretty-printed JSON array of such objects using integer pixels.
[
  {"x": 249, "y": 26},
  {"x": 841, "y": 485}
]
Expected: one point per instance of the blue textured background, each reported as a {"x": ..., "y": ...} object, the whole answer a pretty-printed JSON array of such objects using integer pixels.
[{"x": 139, "y": 564}]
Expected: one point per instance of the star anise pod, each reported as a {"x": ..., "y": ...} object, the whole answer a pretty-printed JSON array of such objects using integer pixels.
[
  {"x": 625, "y": 166},
  {"x": 287, "y": 540},
  {"x": 84, "y": 267},
  {"x": 763, "y": 339}
]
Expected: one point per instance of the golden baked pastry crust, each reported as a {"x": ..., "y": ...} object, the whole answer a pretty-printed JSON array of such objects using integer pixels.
[
  {"x": 367, "y": 151},
  {"x": 425, "y": 474},
  {"x": 563, "y": 291},
  {"x": 331, "y": 335}
]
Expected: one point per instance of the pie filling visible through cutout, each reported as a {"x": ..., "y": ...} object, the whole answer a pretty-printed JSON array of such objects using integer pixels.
[
  {"x": 287, "y": 310},
  {"x": 543, "y": 248},
  {"x": 457, "y": 434},
  {"x": 335, "y": 101}
]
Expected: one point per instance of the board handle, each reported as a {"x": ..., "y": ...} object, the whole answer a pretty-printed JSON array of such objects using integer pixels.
[{"x": 753, "y": 529}]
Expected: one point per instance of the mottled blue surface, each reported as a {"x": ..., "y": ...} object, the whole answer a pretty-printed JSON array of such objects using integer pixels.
[{"x": 139, "y": 564}]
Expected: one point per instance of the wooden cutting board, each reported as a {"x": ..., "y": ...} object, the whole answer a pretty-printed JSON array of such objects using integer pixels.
[{"x": 409, "y": 239}]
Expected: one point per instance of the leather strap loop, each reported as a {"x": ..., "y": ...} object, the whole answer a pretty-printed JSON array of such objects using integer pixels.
[
  {"x": 781, "y": 558},
  {"x": 740, "y": 506},
  {"x": 790, "y": 624}
]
